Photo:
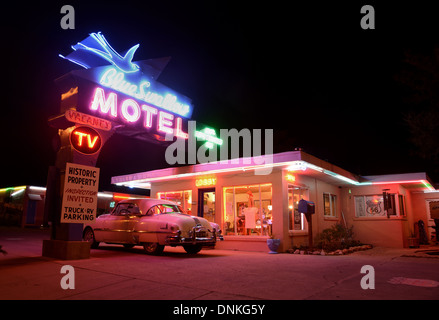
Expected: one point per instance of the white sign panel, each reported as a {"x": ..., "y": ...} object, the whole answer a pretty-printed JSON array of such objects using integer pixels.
[{"x": 80, "y": 197}]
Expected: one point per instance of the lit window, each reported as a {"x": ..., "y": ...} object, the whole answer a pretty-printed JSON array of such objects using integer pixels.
[
  {"x": 329, "y": 205},
  {"x": 247, "y": 210},
  {"x": 182, "y": 198},
  {"x": 373, "y": 206}
]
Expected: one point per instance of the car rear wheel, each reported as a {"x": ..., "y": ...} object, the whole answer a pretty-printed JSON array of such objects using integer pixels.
[
  {"x": 89, "y": 236},
  {"x": 192, "y": 249},
  {"x": 153, "y": 248}
]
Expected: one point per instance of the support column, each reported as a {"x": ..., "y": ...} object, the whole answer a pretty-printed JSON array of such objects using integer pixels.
[{"x": 66, "y": 238}]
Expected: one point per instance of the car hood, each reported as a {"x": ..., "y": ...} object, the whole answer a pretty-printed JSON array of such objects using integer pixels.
[{"x": 184, "y": 221}]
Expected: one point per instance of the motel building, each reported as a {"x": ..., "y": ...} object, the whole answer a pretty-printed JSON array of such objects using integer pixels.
[{"x": 252, "y": 201}]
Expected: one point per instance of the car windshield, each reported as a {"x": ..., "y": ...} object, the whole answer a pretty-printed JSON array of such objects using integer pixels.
[{"x": 164, "y": 208}]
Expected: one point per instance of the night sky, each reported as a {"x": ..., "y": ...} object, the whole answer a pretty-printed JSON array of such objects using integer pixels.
[{"x": 308, "y": 71}]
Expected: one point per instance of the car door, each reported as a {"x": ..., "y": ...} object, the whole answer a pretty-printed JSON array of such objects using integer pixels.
[{"x": 119, "y": 225}]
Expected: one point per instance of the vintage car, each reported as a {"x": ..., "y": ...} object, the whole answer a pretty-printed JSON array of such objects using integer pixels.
[{"x": 153, "y": 224}]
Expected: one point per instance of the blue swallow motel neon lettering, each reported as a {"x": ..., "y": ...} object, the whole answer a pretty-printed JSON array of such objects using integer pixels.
[{"x": 115, "y": 80}]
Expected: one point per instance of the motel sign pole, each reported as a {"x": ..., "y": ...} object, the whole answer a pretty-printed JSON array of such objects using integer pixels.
[{"x": 66, "y": 238}]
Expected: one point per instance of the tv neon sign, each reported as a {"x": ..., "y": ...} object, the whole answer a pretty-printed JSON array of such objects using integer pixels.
[
  {"x": 130, "y": 111},
  {"x": 85, "y": 140}
]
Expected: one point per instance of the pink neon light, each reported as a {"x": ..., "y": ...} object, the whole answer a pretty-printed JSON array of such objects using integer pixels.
[
  {"x": 131, "y": 111},
  {"x": 130, "y": 104},
  {"x": 104, "y": 105},
  {"x": 424, "y": 182},
  {"x": 394, "y": 182},
  {"x": 178, "y": 131},
  {"x": 150, "y": 111},
  {"x": 164, "y": 121}
]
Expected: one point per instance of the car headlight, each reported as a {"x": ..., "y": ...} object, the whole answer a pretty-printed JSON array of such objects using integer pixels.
[{"x": 174, "y": 228}]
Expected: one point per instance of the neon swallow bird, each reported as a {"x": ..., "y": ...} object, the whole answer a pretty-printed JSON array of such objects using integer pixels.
[{"x": 90, "y": 52}]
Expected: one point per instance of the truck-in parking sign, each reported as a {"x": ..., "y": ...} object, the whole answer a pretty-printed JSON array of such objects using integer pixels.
[{"x": 80, "y": 196}]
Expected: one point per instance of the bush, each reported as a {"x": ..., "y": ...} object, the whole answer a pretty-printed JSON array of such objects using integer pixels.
[{"x": 336, "y": 237}]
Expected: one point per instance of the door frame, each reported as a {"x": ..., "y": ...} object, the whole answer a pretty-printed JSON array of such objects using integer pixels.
[{"x": 201, "y": 191}]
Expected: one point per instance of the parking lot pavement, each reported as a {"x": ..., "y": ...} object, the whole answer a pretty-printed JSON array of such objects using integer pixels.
[{"x": 115, "y": 273}]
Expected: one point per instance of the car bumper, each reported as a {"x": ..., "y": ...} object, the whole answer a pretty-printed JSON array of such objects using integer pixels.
[{"x": 194, "y": 238}]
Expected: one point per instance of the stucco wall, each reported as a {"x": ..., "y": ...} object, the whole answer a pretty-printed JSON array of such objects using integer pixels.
[{"x": 379, "y": 231}]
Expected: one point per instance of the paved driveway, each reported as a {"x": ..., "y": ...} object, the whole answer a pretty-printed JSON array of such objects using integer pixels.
[{"x": 116, "y": 273}]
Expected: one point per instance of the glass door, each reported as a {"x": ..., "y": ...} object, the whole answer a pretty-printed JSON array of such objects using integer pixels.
[
  {"x": 206, "y": 204},
  {"x": 296, "y": 220}
]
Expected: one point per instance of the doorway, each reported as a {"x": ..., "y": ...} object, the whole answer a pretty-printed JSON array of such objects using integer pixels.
[
  {"x": 31, "y": 211},
  {"x": 206, "y": 204}
]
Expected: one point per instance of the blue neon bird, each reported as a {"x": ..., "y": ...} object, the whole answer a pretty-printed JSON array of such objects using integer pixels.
[{"x": 96, "y": 51}]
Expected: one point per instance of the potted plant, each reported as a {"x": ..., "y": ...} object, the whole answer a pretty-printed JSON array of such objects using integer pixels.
[
  {"x": 413, "y": 240},
  {"x": 273, "y": 244}
]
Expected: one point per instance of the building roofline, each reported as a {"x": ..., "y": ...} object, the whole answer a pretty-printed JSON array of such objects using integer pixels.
[{"x": 290, "y": 160}]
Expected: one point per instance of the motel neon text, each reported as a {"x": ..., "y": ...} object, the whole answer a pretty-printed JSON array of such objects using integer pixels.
[{"x": 131, "y": 111}]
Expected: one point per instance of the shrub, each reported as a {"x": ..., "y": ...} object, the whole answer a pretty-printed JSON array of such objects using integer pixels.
[{"x": 336, "y": 237}]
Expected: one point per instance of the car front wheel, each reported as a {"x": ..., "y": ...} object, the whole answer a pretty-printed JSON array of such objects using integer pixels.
[
  {"x": 153, "y": 248},
  {"x": 192, "y": 249}
]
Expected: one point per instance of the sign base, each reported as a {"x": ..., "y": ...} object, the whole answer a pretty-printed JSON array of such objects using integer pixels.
[{"x": 66, "y": 250}]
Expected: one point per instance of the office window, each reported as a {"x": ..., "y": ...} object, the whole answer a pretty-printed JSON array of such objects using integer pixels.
[{"x": 247, "y": 210}]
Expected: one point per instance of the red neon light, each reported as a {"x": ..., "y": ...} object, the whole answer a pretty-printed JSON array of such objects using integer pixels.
[
  {"x": 85, "y": 140},
  {"x": 119, "y": 197}
]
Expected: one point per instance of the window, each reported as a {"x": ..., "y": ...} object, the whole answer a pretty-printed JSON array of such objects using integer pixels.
[
  {"x": 296, "y": 220},
  {"x": 163, "y": 208},
  {"x": 182, "y": 198},
  {"x": 401, "y": 205},
  {"x": 329, "y": 205},
  {"x": 373, "y": 206},
  {"x": 123, "y": 209},
  {"x": 247, "y": 210}
]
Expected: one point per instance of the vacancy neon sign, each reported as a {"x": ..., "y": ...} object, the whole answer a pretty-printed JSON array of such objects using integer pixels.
[{"x": 132, "y": 112}]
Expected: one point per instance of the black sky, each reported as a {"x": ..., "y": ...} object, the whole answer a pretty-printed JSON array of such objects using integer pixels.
[{"x": 306, "y": 70}]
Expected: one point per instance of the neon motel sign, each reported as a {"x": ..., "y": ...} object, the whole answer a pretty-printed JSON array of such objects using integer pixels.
[
  {"x": 131, "y": 111},
  {"x": 126, "y": 92}
]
